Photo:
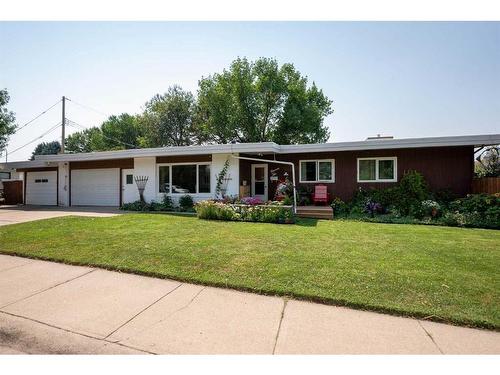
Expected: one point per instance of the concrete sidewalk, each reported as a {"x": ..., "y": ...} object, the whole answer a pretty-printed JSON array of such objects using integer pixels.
[{"x": 47, "y": 307}]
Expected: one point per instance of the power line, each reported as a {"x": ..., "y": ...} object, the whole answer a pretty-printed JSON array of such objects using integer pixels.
[
  {"x": 37, "y": 138},
  {"x": 89, "y": 108},
  {"x": 77, "y": 125},
  {"x": 41, "y": 114}
]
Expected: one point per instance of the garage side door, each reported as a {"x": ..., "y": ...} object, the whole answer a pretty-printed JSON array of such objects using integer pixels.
[
  {"x": 95, "y": 187},
  {"x": 41, "y": 188}
]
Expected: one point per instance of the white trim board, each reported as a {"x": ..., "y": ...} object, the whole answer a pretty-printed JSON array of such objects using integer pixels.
[{"x": 266, "y": 148}]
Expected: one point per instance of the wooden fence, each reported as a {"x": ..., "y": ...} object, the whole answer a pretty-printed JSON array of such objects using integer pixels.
[
  {"x": 489, "y": 185},
  {"x": 13, "y": 191}
]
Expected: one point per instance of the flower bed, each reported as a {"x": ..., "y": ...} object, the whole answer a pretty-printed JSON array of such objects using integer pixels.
[{"x": 263, "y": 213}]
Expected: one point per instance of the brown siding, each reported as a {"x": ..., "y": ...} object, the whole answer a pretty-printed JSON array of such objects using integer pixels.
[
  {"x": 442, "y": 167},
  {"x": 98, "y": 164},
  {"x": 184, "y": 158},
  {"x": 39, "y": 169}
]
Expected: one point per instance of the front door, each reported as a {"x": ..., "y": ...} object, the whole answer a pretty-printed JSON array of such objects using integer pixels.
[
  {"x": 259, "y": 181},
  {"x": 129, "y": 189}
]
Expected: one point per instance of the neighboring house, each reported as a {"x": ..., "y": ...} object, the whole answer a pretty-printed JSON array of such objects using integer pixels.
[{"x": 107, "y": 178}]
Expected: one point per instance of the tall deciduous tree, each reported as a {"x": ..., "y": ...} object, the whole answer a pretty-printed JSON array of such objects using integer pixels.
[
  {"x": 168, "y": 119},
  {"x": 88, "y": 140},
  {"x": 7, "y": 120},
  {"x": 261, "y": 101},
  {"x": 121, "y": 132},
  {"x": 46, "y": 148}
]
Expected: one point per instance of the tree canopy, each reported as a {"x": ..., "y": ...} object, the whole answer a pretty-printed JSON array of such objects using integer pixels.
[
  {"x": 88, "y": 140},
  {"x": 46, "y": 148},
  {"x": 255, "y": 101},
  {"x": 7, "y": 120},
  {"x": 168, "y": 119},
  {"x": 261, "y": 101},
  {"x": 121, "y": 132}
]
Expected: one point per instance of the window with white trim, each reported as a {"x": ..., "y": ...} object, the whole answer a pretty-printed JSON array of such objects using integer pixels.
[
  {"x": 377, "y": 169},
  {"x": 184, "y": 178},
  {"x": 317, "y": 170}
]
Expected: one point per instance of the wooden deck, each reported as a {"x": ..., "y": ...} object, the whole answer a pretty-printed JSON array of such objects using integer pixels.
[{"x": 316, "y": 212}]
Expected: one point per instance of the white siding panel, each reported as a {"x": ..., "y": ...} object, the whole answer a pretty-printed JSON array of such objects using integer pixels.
[
  {"x": 95, "y": 187},
  {"x": 41, "y": 188}
]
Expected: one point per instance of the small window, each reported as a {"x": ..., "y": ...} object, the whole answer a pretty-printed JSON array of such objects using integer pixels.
[
  {"x": 317, "y": 170},
  {"x": 129, "y": 179},
  {"x": 44, "y": 180},
  {"x": 38, "y": 180},
  {"x": 377, "y": 169}
]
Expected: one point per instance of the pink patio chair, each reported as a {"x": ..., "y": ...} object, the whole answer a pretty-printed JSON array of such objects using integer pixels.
[{"x": 320, "y": 194}]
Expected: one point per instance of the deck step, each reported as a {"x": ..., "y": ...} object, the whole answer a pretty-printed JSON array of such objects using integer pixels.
[{"x": 315, "y": 212}]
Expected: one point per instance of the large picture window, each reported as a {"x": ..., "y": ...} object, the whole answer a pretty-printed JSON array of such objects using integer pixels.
[
  {"x": 377, "y": 169},
  {"x": 317, "y": 170},
  {"x": 184, "y": 178}
]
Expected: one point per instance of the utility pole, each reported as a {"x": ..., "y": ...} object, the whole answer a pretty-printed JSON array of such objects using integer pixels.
[{"x": 63, "y": 135}]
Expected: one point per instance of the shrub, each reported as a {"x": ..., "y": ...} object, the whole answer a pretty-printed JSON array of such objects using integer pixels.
[
  {"x": 455, "y": 219},
  {"x": 135, "y": 206},
  {"x": 374, "y": 208},
  {"x": 212, "y": 210},
  {"x": 167, "y": 203},
  {"x": 475, "y": 203},
  {"x": 477, "y": 210},
  {"x": 411, "y": 191},
  {"x": 186, "y": 203},
  {"x": 428, "y": 208},
  {"x": 444, "y": 197},
  {"x": 339, "y": 206}
]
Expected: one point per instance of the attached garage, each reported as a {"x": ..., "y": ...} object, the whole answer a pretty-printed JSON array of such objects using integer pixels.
[
  {"x": 95, "y": 187},
  {"x": 41, "y": 188}
]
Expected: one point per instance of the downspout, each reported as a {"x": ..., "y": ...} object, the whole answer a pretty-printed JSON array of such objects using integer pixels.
[{"x": 277, "y": 162}]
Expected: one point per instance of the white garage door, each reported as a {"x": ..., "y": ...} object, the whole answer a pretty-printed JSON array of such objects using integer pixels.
[
  {"x": 95, "y": 187},
  {"x": 41, "y": 188}
]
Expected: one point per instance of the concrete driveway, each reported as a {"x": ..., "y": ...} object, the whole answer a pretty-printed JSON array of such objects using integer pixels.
[
  {"x": 53, "y": 308},
  {"x": 21, "y": 214}
]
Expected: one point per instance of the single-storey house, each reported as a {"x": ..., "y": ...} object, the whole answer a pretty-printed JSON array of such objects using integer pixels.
[{"x": 108, "y": 178}]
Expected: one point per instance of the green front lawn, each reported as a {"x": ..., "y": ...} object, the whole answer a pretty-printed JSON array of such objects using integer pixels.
[{"x": 441, "y": 273}]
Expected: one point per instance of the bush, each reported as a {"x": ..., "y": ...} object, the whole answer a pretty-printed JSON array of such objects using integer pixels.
[
  {"x": 339, "y": 206},
  {"x": 411, "y": 191},
  {"x": 444, "y": 197},
  {"x": 475, "y": 210},
  {"x": 167, "y": 203},
  {"x": 428, "y": 208},
  {"x": 475, "y": 203},
  {"x": 186, "y": 203},
  {"x": 135, "y": 206},
  {"x": 211, "y": 210}
]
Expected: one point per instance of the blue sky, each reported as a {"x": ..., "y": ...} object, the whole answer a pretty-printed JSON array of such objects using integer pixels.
[{"x": 408, "y": 79}]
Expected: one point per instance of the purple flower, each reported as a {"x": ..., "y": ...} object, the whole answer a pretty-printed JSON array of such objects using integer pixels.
[{"x": 252, "y": 201}]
